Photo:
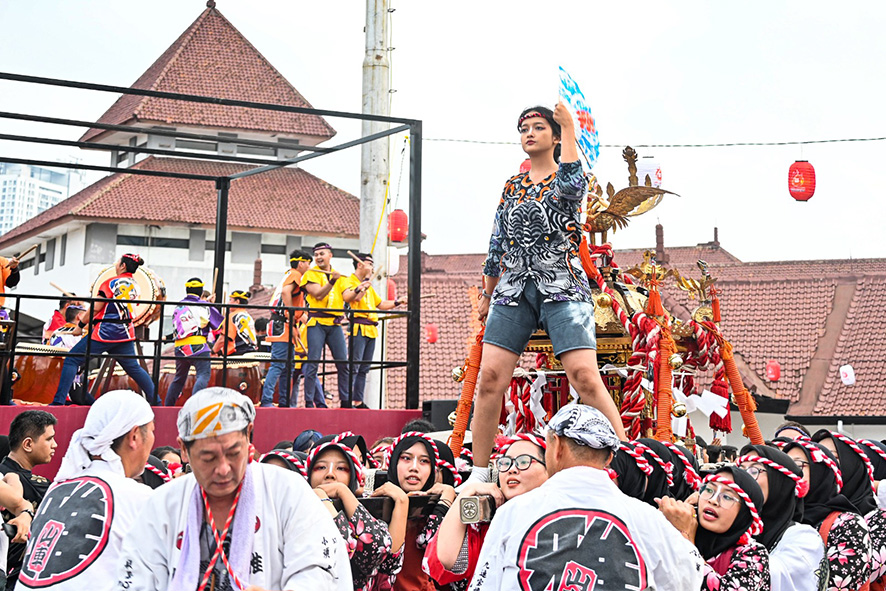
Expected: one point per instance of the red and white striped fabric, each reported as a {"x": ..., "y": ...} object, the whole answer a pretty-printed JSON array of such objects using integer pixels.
[
  {"x": 819, "y": 457},
  {"x": 163, "y": 474},
  {"x": 800, "y": 486},
  {"x": 344, "y": 448},
  {"x": 639, "y": 458},
  {"x": 285, "y": 455},
  {"x": 757, "y": 522},
  {"x": 539, "y": 441},
  {"x": 691, "y": 477},
  {"x": 666, "y": 466},
  {"x": 864, "y": 457},
  {"x": 872, "y": 446}
]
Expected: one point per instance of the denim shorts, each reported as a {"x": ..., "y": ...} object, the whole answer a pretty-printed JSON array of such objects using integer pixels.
[{"x": 569, "y": 325}]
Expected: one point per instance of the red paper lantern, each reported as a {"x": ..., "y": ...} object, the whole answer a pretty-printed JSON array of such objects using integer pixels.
[
  {"x": 526, "y": 165},
  {"x": 392, "y": 289},
  {"x": 432, "y": 332},
  {"x": 801, "y": 180},
  {"x": 398, "y": 226},
  {"x": 773, "y": 370}
]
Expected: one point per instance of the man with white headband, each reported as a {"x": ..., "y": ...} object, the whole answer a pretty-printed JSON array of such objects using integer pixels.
[
  {"x": 231, "y": 524},
  {"x": 577, "y": 530},
  {"x": 78, "y": 531}
]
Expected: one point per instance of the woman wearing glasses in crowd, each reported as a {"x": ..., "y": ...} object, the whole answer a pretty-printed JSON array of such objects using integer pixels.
[
  {"x": 452, "y": 554},
  {"x": 835, "y": 519},
  {"x": 797, "y": 560},
  {"x": 722, "y": 527}
]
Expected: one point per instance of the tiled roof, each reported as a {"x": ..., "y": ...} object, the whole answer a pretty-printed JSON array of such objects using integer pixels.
[
  {"x": 861, "y": 344},
  {"x": 212, "y": 58},
  {"x": 283, "y": 200},
  {"x": 773, "y": 310}
]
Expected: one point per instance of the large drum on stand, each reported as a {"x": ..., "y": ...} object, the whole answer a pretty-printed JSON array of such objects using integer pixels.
[
  {"x": 243, "y": 375},
  {"x": 118, "y": 380},
  {"x": 150, "y": 287},
  {"x": 38, "y": 369}
]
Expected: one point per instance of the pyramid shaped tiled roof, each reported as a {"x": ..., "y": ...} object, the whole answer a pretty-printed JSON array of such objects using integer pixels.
[
  {"x": 212, "y": 58},
  {"x": 285, "y": 200}
]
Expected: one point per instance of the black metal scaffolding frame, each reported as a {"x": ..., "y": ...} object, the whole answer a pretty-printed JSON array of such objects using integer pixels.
[{"x": 223, "y": 183}]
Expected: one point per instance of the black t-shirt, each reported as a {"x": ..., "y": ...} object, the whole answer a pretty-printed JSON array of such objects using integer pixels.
[{"x": 34, "y": 488}]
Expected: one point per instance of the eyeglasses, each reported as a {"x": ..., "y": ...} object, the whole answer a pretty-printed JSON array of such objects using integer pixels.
[
  {"x": 755, "y": 470},
  {"x": 724, "y": 496},
  {"x": 504, "y": 463},
  {"x": 801, "y": 464}
]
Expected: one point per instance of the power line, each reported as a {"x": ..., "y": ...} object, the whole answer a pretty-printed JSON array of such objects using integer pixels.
[{"x": 720, "y": 145}]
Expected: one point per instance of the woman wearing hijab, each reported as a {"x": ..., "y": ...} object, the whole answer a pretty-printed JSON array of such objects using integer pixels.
[
  {"x": 727, "y": 517},
  {"x": 876, "y": 453},
  {"x": 685, "y": 475},
  {"x": 797, "y": 560},
  {"x": 858, "y": 487},
  {"x": 417, "y": 467},
  {"x": 452, "y": 554},
  {"x": 659, "y": 483},
  {"x": 834, "y": 518},
  {"x": 335, "y": 472},
  {"x": 631, "y": 470}
]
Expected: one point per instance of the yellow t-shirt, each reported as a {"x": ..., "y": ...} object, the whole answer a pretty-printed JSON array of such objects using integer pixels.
[
  {"x": 369, "y": 302},
  {"x": 332, "y": 300}
]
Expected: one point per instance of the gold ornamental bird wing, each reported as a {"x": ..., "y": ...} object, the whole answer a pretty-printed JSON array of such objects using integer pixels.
[{"x": 629, "y": 201}]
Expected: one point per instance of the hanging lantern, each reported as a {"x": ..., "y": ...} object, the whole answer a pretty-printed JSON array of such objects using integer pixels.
[
  {"x": 431, "y": 329},
  {"x": 773, "y": 370},
  {"x": 801, "y": 180},
  {"x": 398, "y": 226},
  {"x": 392, "y": 289},
  {"x": 847, "y": 375},
  {"x": 526, "y": 165},
  {"x": 648, "y": 166}
]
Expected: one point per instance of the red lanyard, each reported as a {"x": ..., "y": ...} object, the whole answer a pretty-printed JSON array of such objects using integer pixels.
[{"x": 219, "y": 539}]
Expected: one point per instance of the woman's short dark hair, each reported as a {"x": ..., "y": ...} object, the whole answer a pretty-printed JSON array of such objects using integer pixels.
[{"x": 548, "y": 115}]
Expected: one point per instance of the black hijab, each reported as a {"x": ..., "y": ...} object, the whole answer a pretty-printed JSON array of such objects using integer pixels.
[
  {"x": 447, "y": 456},
  {"x": 856, "y": 481},
  {"x": 288, "y": 457},
  {"x": 782, "y": 507},
  {"x": 631, "y": 479},
  {"x": 878, "y": 461},
  {"x": 402, "y": 446},
  {"x": 711, "y": 544},
  {"x": 657, "y": 485},
  {"x": 152, "y": 479},
  {"x": 823, "y": 496},
  {"x": 682, "y": 487},
  {"x": 321, "y": 448}
]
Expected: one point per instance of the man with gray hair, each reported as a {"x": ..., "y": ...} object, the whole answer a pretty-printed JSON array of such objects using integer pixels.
[
  {"x": 231, "y": 524},
  {"x": 78, "y": 531},
  {"x": 577, "y": 530}
]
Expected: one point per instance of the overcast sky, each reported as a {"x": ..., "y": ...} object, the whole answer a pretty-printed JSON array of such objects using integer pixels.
[{"x": 653, "y": 72}]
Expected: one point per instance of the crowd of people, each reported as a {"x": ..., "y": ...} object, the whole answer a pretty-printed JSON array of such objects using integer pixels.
[
  {"x": 572, "y": 508},
  {"x": 307, "y": 316}
]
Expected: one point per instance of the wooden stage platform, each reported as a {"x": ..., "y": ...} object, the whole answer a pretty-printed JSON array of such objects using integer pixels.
[{"x": 271, "y": 425}]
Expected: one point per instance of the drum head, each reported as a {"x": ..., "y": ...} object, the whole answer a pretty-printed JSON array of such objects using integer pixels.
[{"x": 150, "y": 287}]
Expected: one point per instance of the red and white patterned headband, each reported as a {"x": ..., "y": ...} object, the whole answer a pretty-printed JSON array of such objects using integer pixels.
[
  {"x": 692, "y": 478},
  {"x": 466, "y": 453},
  {"x": 800, "y": 486},
  {"x": 642, "y": 464},
  {"x": 344, "y": 435},
  {"x": 345, "y": 449},
  {"x": 864, "y": 457},
  {"x": 539, "y": 441},
  {"x": 285, "y": 455},
  {"x": 438, "y": 461},
  {"x": 757, "y": 522},
  {"x": 873, "y": 447},
  {"x": 666, "y": 466},
  {"x": 820, "y": 457},
  {"x": 163, "y": 474}
]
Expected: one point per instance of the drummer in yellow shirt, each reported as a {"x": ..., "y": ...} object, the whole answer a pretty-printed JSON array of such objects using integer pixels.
[
  {"x": 357, "y": 291},
  {"x": 324, "y": 327}
]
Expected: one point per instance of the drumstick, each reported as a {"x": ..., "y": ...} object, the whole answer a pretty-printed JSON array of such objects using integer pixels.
[
  {"x": 215, "y": 281},
  {"x": 70, "y": 295},
  {"x": 24, "y": 254},
  {"x": 427, "y": 296},
  {"x": 355, "y": 257}
]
